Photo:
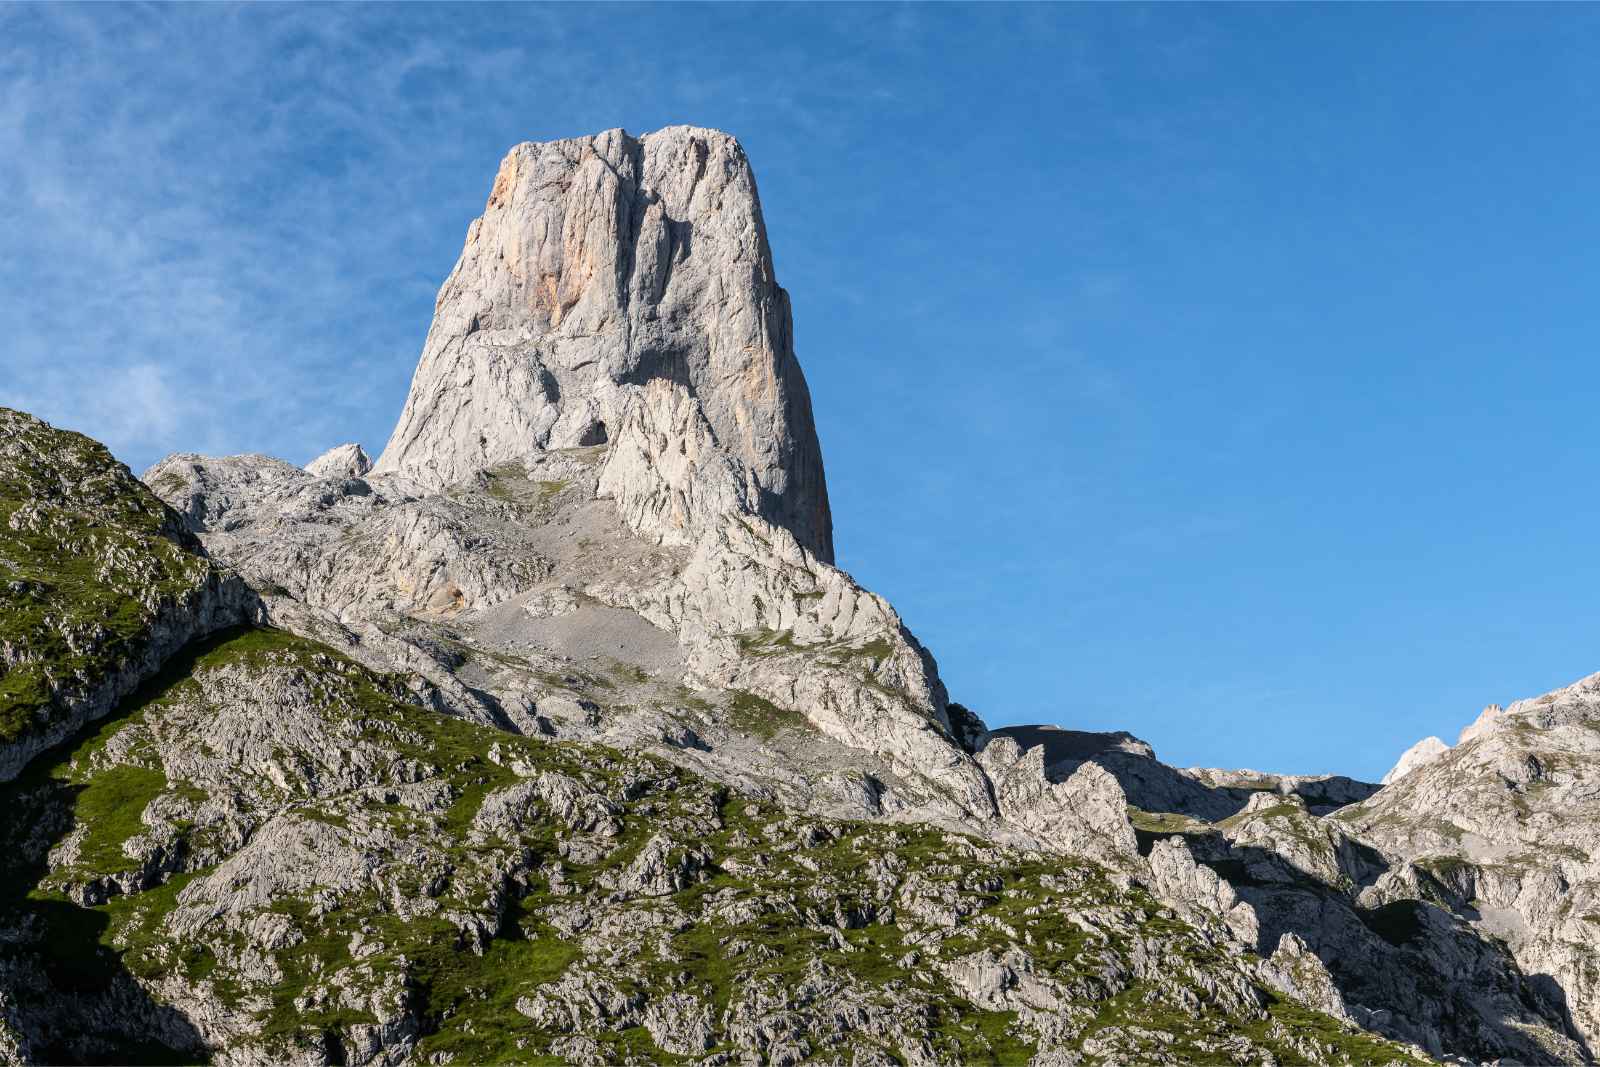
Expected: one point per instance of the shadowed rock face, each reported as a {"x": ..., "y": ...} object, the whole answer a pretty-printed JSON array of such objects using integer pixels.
[
  {"x": 1505, "y": 824},
  {"x": 1199, "y": 792},
  {"x": 601, "y": 264}
]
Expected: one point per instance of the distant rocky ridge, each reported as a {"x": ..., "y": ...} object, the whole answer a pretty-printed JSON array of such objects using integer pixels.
[
  {"x": 566, "y": 713},
  {"x": 1423, "y": 752},
  {"x": 344, "y": 461},
  {"x": 1504, "y": 830},
  {"x": 1431, "y": 748}
]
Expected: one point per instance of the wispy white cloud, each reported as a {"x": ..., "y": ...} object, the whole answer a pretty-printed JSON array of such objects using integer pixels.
[
  {"x": 259, "y": 201},
  {"x": 208, "y": 208}
]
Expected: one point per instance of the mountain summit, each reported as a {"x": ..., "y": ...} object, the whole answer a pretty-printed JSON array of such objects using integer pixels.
[
  {"x": 556, "y": 736},
  {"x": 602, "y": 267}
]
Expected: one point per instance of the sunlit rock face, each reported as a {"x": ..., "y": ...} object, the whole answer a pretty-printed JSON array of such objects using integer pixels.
[{"x": 601, "y": 264}]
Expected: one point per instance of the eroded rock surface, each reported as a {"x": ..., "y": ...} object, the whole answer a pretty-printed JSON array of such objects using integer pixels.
[
  {"x": 602, "y": 265},
  {"x": 1503, "y": 829},
  {"x": 343, "y": 461},
  {"x": 1423, "y": 752}
]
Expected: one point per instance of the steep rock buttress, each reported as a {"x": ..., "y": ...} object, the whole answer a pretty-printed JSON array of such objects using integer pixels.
[{"x": 601, "y": 264}]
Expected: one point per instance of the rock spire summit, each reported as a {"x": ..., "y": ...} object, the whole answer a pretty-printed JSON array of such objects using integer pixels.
[{"x": 603, "y": 266}]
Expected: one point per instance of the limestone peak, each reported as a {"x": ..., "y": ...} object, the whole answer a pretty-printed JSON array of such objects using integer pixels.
[
  {"x": 602, "y": 264},
  {"x": 341, "y": 461}
]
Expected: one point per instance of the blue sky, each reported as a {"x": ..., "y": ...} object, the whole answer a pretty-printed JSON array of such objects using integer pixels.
[{"x": 1222, "y": 374}]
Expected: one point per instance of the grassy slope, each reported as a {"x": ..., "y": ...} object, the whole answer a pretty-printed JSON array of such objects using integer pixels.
[
  {"x": 467, "y": 1001},
  {"x": 87, "y": 557}
]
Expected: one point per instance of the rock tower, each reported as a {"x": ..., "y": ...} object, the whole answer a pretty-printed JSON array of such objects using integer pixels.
[{"x": 599, "y": 266}]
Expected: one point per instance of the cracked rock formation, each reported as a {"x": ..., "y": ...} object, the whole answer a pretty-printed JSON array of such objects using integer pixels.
[
  {"x": 99, "y": 584},
  {"x": 599, "y": 266},
  {"x": 1504, "y": 829}
]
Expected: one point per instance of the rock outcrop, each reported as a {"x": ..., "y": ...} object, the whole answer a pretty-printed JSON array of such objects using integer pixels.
[
  {"x": 1423, "y": 752},
  {"x": 100, "y": 583},
  {"x": 599, "y": 266},
  {"x": 535, "y": 569},
  {"x": 1502, "y": 829},
  {"x": 1085, "y": 814},
  {"x": 343, "y": 461},
  {"x": 1291, "y": 866},
  {"x": 1200, "y": 793}
]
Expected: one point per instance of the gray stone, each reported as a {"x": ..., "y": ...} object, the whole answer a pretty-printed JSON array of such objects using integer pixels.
[
  {"x": 1423, "y": 752},
  {"x": 602, "y": 265},
  {"x": 343, "y": 461}
]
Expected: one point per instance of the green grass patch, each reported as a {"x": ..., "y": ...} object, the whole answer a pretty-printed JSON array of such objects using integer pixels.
[
  {"x": 760, "y": 717},
  {"x": 110, "y": 806},
  {"x": 1161, "y": 822}
]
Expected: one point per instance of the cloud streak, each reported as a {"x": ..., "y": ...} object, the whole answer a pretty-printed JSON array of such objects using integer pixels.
[
  {"x": 259, "y": 202},
  {"x": 209, "y": 226}
]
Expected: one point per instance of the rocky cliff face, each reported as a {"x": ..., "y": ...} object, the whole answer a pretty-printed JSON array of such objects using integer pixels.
[
  {"x": 559, "y": 737},
  {"x": 1312, "y": 870},
  {"x": 609, "y": 368},
  {"x": 602, "y": 265}
]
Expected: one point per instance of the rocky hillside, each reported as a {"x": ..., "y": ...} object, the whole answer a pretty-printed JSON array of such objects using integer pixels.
[
  {"x": 1502, "y": 830},
  {"x": 99, "y": 584},
  {"x": 556, "y": 736},
  {"x": 270, "y": 855}
]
